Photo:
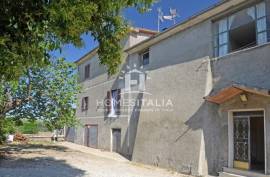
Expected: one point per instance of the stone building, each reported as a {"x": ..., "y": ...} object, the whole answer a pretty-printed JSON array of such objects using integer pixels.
[{"x": 194, "y": 98}]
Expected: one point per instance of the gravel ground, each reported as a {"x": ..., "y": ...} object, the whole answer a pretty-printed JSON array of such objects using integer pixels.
[{"x": 64, "y": 160}]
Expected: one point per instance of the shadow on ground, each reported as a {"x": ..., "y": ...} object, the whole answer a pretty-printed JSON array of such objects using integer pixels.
[
  {"x": 29, "y": 147},
  {"x": 12, "y": 164}
]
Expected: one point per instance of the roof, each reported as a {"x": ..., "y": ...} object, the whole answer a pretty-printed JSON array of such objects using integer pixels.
[
  {"x": 144, "y": 30},
  {"x": 90, "y": 54},
  {"x": 215, "y": 10},
  {"x": 93, "y": 52},
  {"x": 235, "y": 90}
]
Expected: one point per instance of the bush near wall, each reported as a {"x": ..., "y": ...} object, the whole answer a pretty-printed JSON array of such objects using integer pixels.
[
  {"x": 7, "y": 126},
  {"x": 28, "y": 127}
]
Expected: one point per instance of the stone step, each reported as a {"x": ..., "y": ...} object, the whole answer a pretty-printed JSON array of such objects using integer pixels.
[
  {"x": 232, "y": 172},
  {"x": 225, "y": 174}
]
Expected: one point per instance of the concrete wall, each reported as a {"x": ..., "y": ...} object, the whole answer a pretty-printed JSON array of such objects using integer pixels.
[
  {"x": 255, "y": 102},
  {"x": 95, "y": 88},
  {"x": 249, "y": 67},
  {"x": 167, "y": 138},
  {"x": 192, "y": 135}
]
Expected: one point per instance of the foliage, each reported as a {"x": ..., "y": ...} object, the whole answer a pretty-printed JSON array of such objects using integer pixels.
[
  {"x": 28, "y": 127},
  {"x": 41, "y": 126},
  {"x": 7, "y": 126},
  {"x": 29, "y": 84},
  {"x": 29, "y": 30},
  {"x": 53, "y": 95}
]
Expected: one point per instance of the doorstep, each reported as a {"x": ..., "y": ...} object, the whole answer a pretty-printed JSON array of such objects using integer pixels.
[{"x": 232, "y": 172}]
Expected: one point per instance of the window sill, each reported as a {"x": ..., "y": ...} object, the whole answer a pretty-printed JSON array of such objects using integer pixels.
[
  {"x": 113, "y": 116},
  {"x": 240, "y": 51}
]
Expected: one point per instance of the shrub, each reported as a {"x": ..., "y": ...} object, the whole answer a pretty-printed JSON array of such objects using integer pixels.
[
  {"x": 7, "y": 126},
  {"x": 29, "y": 127}
]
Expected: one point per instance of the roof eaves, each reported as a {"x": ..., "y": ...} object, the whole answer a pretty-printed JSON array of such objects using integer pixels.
[
  {"x": 87, "y": 56},
  {"x": 193, "y": 20},
  {"x": 94, "y": 51}
]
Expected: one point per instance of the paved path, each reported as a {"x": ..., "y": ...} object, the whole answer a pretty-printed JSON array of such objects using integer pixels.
[{"x": 69, "y": 160}]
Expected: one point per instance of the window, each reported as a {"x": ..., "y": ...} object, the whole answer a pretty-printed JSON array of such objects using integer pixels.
[
  {"x": 87, "y": 71},
  {"x": 241, "y": 30},
  {"x": 84, "y": 104},
  {"x": 261, "y": 23},
  {"x": 145, "y": 58},
  {"x": 243, "y": 37},
  {"x": 113, "y": 102}
]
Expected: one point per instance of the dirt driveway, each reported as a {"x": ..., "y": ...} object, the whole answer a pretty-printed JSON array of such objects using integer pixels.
[{"x": 63, "y": 160}]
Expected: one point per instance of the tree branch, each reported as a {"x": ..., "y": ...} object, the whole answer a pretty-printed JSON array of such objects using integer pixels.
[{"x": 12, "y": 103}]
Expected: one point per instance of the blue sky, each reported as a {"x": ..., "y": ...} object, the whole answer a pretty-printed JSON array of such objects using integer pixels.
[{"x": 185, "y": 8}]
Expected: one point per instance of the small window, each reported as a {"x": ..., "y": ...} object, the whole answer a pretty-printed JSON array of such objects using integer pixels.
[
  {"x": 87, "y": 71},
  {"x": 84, "y": 104},
  {"x": 145, "y": 58}
]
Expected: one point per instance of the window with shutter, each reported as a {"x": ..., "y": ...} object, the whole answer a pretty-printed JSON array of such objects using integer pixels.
[
  {"x": 86, "y": 103},
  {"x": 108, "y": 102},
  {"x": 87, "y": 71},
  {"x": 118, "y": 104},
  {"x": 113, "y": 102},
  {"x": 145, "y": 58},
  {"x": 84, "y": 106}
]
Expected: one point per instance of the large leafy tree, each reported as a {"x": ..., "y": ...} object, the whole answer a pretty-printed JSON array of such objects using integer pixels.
[
  {"x": 52, "y": 97},
  {"x": 30, "y": 29}
]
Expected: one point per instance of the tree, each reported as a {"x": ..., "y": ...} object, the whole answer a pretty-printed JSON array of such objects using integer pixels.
[
  {"x": 30, "y": 29},
  {"x": 53, "y": 95},
  {"x": 7, "y": 126}
]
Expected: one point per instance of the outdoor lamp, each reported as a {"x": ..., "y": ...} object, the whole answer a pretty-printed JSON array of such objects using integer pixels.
[{"x": 243, "y": 97}]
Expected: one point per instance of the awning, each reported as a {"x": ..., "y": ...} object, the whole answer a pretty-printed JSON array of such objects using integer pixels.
[{"x": 234, "y": 90}]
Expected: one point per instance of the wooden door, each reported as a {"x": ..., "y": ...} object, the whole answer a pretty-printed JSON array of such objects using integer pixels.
[
  {"x": 91, "y": 136},
  {"x": 116, "y": 134}
]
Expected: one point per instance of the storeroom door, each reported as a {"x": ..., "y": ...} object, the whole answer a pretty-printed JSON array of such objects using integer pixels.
[
  {"x": 91, "y": 138},
  {"x": 116, "y": 135}
]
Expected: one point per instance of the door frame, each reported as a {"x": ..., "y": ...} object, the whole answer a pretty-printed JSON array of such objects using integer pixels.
[
  {"x": 85, "y": 140},
  {"x": 230, "y": 136},
  {"x": 111, "y": 142}
]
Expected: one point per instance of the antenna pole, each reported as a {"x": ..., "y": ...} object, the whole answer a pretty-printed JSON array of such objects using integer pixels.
[
  {"x": 158, "y": 10},
  {"x": 158, "y": 23}
]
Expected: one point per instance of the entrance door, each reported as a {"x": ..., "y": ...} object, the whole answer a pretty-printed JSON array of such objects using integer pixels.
[
  {"x": 257, "y": 143},
  {"x": 241, "y": 142},
  {"x": 91, "y": 138},
  {"x": 248, "y": 140},
  {"x": 116, "y": 141}
]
